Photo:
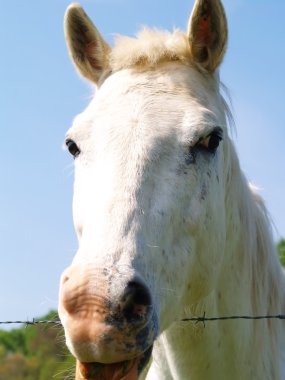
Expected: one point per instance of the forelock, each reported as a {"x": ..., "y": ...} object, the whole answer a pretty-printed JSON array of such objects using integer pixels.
[{"x": 149, "y": 48}]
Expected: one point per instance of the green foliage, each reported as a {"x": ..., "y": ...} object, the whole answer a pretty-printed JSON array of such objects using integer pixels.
[
  {"x": 35, "y": 353},
  {"x": 281, "y": 251}
]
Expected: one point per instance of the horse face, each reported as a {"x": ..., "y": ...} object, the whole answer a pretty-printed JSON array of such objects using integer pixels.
[{"x": 148, "y": 210}]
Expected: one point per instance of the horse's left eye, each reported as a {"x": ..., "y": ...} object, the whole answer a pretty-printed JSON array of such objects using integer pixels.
[
  {"x": 211, "y": 142},
  {"x": 72, "y": 147}
]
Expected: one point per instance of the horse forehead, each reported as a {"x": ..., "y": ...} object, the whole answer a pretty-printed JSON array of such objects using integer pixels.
[
  {"x": 159, "y": 100},
  {"x": 171, "y": 79}
]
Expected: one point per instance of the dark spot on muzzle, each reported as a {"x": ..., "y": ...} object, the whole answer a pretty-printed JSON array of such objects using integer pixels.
[
  {"x": 133, "y": 309},
  {"x": 142, "y": 337}
]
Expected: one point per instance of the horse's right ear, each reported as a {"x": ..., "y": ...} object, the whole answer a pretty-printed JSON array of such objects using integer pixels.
[
  {"x": 87, "y": 48},
  {"x": 208, "y": 33}
]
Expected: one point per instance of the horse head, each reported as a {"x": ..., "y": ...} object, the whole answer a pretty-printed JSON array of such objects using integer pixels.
[{"x": 152, "y": 164}]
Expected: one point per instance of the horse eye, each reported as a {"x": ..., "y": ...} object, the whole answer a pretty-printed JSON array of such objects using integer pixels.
[
  {"x": 72, "y": 147},
  {"x": 211, "y": 142}
]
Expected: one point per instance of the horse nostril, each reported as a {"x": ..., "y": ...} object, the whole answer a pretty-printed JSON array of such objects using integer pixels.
[
  {"x": 136, "y": 302},
  {"x": 141, "y": 295}
]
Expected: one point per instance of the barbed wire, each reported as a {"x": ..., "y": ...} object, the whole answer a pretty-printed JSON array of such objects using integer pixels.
[
  {"x": 32, "y": 322},
  {"x": 205, "y": 319},
  {"x": 202, "y": 319}
]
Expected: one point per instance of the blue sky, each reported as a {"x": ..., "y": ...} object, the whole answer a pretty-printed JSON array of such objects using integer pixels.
[{"x": 41, "y": 93}]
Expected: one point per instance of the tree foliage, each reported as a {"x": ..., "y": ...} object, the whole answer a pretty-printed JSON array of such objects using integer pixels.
[
  {"x": 35, "y": 353},
  {"x": 281, "y": 251}
]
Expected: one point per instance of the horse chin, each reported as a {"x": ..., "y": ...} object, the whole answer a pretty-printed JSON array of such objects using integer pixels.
[{"x": 125, "y": 370}]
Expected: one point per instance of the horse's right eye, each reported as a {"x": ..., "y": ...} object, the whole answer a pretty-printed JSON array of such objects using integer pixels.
[{"x": 72, "y": 147}]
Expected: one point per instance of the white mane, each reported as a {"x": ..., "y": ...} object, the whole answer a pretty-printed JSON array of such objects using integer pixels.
[{"x": 253, "y": 223}]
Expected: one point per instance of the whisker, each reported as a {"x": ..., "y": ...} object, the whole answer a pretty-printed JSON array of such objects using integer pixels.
[
  {"x": 69, "y": 170},
  {"x": 169, "y": 290},
  {"x": 152, "y": 246}
]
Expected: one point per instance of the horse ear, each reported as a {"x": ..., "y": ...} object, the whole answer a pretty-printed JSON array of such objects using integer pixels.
[
  {"x": 87, "y": 48},
  {"x": 208, "y": 33}
]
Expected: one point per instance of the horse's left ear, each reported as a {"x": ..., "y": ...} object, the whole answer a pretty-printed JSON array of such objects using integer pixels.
[
  {"x": 208, "y": 33},
  {"x": 88, "y": 49}
]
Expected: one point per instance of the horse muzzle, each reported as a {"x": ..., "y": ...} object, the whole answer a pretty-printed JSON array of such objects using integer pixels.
[{"x": 109, "y": 322}]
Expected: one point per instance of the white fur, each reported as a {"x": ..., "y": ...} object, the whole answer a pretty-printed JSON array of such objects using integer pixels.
[
  {"x": 134, "y": 197},
  {"x": 197, "y": 233}
]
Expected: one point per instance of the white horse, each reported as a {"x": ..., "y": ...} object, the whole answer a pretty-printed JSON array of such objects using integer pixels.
[{"x": 167, "y": 224}]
